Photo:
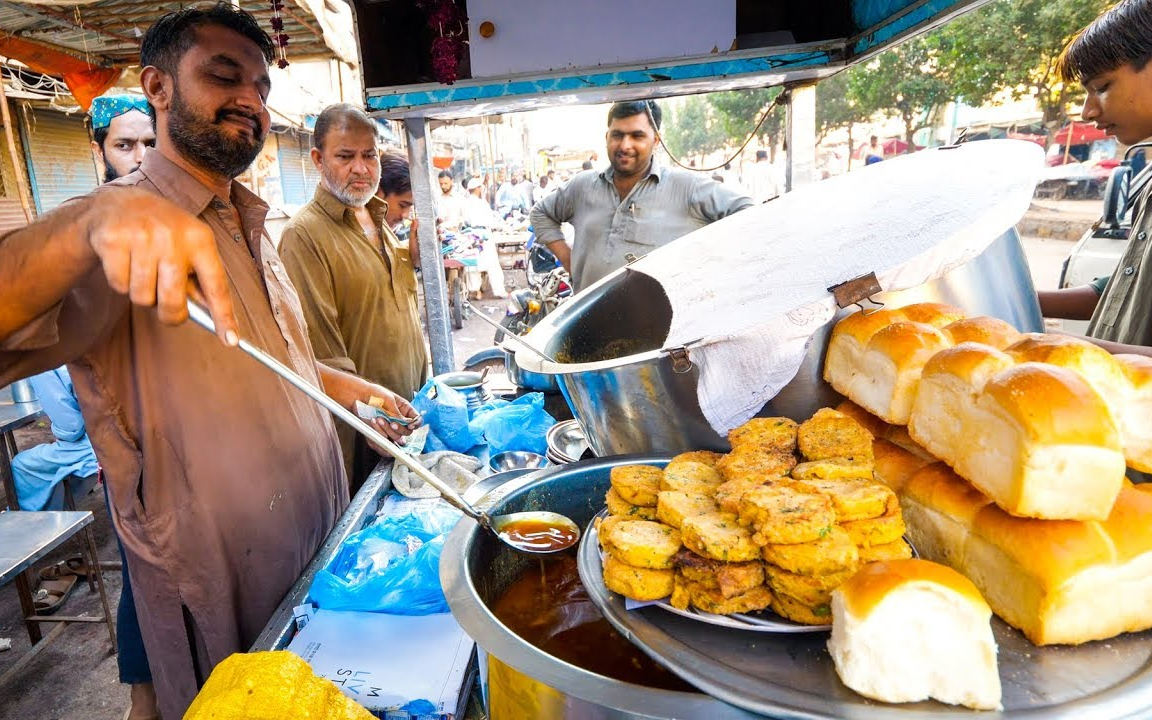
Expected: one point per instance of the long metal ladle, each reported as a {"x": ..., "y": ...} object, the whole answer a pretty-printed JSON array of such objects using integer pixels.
[
  {"x": 536, "y": 532},
  {"x": 508, "y": 333}
]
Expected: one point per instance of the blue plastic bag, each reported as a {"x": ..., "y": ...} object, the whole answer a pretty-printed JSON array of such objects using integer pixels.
[
  {"x": 519, "y": 425},
  {"x": 390, "y": 567},
  {"x": 445, "y": 412}
]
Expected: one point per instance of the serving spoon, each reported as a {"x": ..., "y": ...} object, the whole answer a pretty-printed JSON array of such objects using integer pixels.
[{"x": 537, "y": 532}]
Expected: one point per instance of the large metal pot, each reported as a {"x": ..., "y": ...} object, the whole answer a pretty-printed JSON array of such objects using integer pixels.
[
  {"x": 523, "y": 682},
  {"x": 526, "y": 379},
  {"x": 642, "y": 403}
]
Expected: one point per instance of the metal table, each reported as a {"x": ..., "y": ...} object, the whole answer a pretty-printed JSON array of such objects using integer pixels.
[
  {"x": 26, "y": 538},
  {"x": 12, "y": 417}
]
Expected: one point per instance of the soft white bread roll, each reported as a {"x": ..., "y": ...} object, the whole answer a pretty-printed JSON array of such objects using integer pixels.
[
  {"x": 984, "y": 330},
  {"x": 910, "y": 630},
  {"x": 1058, "y": 581},
  {"x": 1036, "y": 438},
  {"x": 875, "y": 359},
  {"x": 1135, "y": 415}
]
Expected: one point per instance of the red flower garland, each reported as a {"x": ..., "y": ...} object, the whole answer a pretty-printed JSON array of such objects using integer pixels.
[
  {"x": 447, "y": 48},
  {"x": 278, "y": 35}
]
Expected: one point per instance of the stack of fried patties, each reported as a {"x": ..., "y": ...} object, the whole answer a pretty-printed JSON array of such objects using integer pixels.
[
  {"x": 814, "y": 522},
  {"x": 719, "y": 572}
]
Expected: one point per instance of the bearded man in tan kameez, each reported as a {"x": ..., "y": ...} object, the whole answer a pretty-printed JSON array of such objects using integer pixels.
[{"x": 223, "y": 480}]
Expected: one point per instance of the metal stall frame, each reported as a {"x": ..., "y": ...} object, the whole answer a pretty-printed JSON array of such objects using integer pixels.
[{"x": 797, "y": 67}]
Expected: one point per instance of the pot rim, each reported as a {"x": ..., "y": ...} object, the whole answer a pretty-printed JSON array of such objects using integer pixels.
[{"x": 498, "y": 640}]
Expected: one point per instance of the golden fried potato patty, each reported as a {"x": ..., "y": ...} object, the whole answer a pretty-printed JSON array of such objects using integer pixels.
[
  {"x": 713, "y": 601},
  {"x": 729, "y": 494},
  {"x": 642, "y": 543},
  {"x": 707, "y": 457},
  {"x": 775, "y": 434},
  {"x": 720, "y": 537},
  {"x": 887, "y": 528},
  {"x": 621, "y": 507},
  {"x": 637, "y": 484},
  {"x": 830, "y": 434},
  {"x": 832, "y": 469},
  {"x": 731, "y": 579},
  {"x": 812, "y": 590},
  {"x": 835, "y": 552},
  {"x": 637, "y": 583},
  {"x": 751, "y": 463},
  {"x": 673, "y": 506},
  {"x": 796, "y": 611},
  {"x": 855, "y": 499},
  {"x": 785, "y": 514},
  {"x": 689, "y": 476},
  {"x": 898, "y": 550}
]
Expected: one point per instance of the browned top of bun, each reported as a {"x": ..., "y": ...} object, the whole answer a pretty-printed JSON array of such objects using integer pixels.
[
  {"x": 1055, "y": 404},
  {"x": 986, "y": 330},
  {"x": 935, "y": 314},
  {"x": 905, "y": 339},
  {"x": 972, "y": 362},
  {"x": 872, "y": 583}
]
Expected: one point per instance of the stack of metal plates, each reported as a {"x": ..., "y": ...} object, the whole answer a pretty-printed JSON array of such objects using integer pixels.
[{"x": 566, "y": 443}]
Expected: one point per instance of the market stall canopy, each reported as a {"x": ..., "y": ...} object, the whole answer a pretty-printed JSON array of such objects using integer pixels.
[
  {"x": 499, "y": 56},
  {"x": 106, "y": 33},
  {"x": 1075, "y": 133}
]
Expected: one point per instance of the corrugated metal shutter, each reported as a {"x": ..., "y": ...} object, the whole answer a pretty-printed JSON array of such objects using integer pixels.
[
  {"x": 11, "y": 214},
  {"x": 298, "y": 176},
  {"x": 59, "y": 157}
]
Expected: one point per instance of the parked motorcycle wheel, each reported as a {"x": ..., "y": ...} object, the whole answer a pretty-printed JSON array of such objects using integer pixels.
[
  {"x": 457, "y": 295},
  {"x": 506, "y": 322}
]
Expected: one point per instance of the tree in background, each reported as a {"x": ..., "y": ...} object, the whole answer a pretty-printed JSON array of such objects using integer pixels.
[
  {"x": 838, "y": 107},
  {"x": 691, "y": 129},
  {"x": 910, "y": 81},
  {"x": 1013, "y": 45},
  {"x": 739, "y": 110}
]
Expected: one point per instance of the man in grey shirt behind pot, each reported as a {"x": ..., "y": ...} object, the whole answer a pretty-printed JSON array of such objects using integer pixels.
[{"x": 634, "y": 206}]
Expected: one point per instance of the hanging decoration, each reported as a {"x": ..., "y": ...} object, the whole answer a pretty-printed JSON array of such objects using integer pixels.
[
  {"x": 450, "y": 28},
  {"x": 278, "y": 35}
]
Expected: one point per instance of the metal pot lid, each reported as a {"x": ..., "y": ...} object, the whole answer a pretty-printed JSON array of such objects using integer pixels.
[
  {"x": 792, "y": 676},
  {"x": 746, "y": 294}
]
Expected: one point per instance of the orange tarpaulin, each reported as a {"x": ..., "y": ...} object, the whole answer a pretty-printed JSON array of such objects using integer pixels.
[{"x": 84, "y": 80}]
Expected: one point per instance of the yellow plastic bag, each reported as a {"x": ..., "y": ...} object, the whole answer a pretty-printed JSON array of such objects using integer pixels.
[{"x": 271, "y": 686}]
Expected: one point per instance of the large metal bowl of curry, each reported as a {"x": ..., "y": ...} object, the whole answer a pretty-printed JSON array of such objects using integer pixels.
[
  {"x": 631, "y": 394},
  {"x": 546, "y": 651}
]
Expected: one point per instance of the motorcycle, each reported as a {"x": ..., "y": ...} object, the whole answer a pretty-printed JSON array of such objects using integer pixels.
[{"x": 548, "y": 286}]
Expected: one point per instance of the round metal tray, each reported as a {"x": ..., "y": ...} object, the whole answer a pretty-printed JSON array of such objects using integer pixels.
[{"x": 792, "y": 676}]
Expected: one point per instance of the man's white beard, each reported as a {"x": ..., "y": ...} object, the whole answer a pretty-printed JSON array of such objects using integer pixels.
[{"x": 345, "y": 195}]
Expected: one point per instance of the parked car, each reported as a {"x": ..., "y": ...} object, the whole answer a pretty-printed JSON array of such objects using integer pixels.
[{"x": 1097, "y": 253}]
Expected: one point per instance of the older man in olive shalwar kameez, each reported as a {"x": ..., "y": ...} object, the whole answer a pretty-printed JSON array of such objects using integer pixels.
[{"x": 223, "y": 479}]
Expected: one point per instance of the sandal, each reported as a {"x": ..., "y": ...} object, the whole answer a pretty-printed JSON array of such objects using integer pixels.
[
  {"x": 77, "y": 566},
  {"x": 60, "y": 570},
  {"x": 51, "y": 594}
]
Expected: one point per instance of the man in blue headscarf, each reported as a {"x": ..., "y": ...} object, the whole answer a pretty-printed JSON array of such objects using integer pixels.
[{"x": 121, "y": 132}]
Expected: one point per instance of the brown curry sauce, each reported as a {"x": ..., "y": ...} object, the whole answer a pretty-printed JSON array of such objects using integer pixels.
[{"x": 548, "y": 607}]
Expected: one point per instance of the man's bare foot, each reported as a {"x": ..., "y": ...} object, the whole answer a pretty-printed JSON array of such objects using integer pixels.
[{"x": 143, "y": 699}]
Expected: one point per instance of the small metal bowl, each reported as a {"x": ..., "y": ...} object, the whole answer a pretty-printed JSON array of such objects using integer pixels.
[{"x": 516, "y": 460}]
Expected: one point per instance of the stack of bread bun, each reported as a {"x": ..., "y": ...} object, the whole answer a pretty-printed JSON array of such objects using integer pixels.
[
  {"x": 754, "y": 528},
  {"x": 1058, "y": 581},
  {"x": 1042, "y": 424}
]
